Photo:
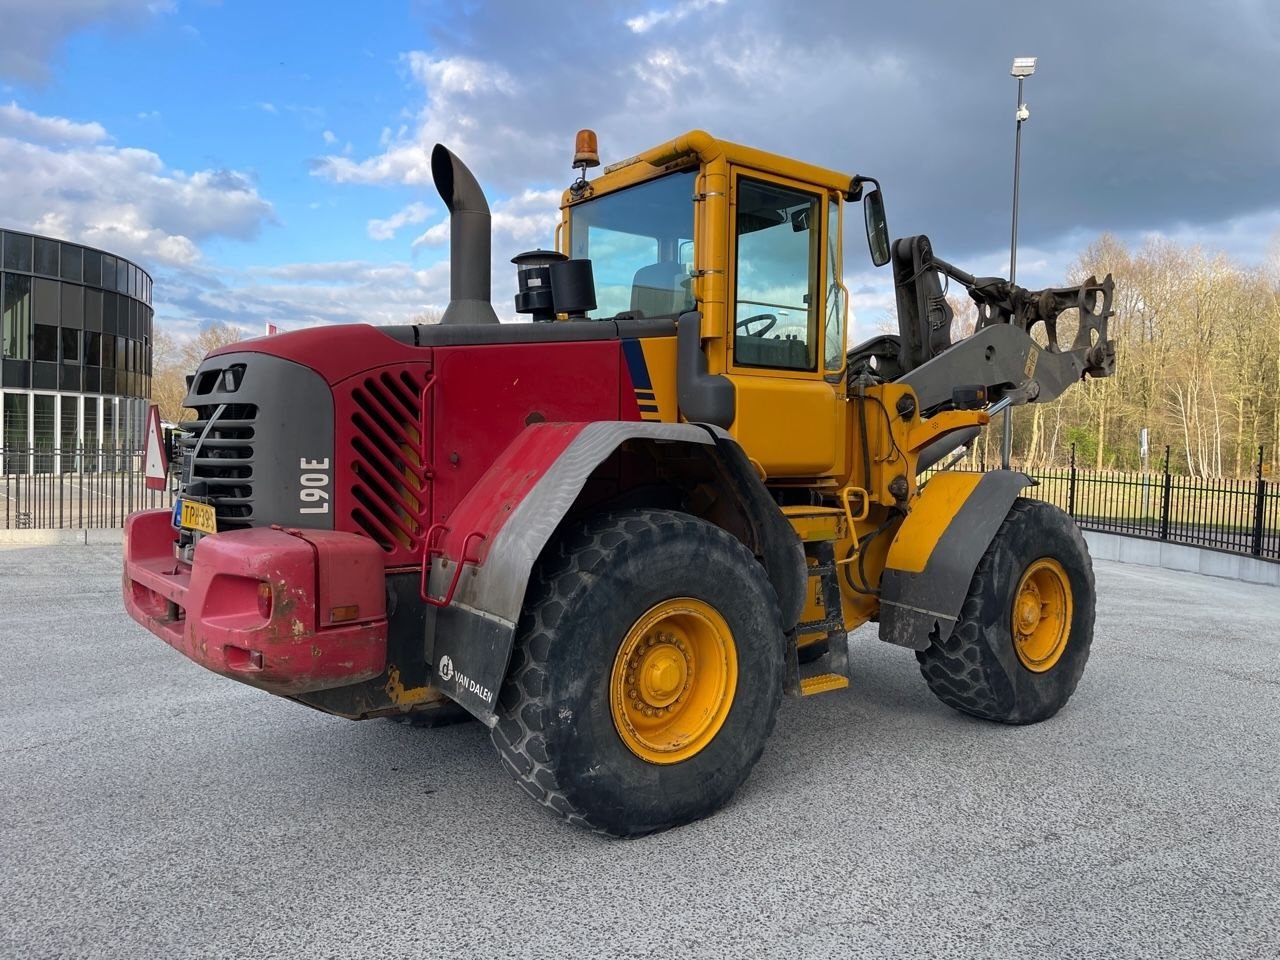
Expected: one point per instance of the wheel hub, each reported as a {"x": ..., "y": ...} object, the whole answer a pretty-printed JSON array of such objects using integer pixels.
[
  {"x": 673, "y": 680},
  {"x": 1030, "y": 609},
  {"x": 1041, "y": 616},
  {"x": 660, "y": 671}
]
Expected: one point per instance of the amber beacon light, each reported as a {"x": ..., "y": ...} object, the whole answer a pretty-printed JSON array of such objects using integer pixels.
[{"x": 586, "y": 151}]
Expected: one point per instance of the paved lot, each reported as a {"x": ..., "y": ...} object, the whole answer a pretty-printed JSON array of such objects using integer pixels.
[{"x": 150, "y": 809}]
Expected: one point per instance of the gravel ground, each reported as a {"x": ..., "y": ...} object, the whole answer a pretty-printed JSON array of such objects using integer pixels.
[{"x": 151, "y": 809}]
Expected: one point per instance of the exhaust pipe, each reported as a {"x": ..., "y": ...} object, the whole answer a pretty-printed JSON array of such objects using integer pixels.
[{"x": 469, "y": 258}]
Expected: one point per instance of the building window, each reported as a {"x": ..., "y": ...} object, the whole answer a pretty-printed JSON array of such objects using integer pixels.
[
  {"x": 44, "y": 422},
  {"x": 72, "y": 262},
  {"x": 122, "y": 276},
  {"x": 16, "y": 439},
  {"x": 93, "y": 309},
  {"x": 69, "y": 431},
  {"x": 72, "y": 305},
  {"x": 46, "y": 257},
  {"x": 93, "y": 349},
  {"x": 17, "y": 316},
  {"x": 109, "y": 312},
  {"x": 93, "y": 268},
  {"x": 17, "y": 252},
  {"x": 108, "y": 422},
  {"x": 45, "y": 301},
  {"x": 70, "y": 345},
  {"x": 90, "y": 432},
  {"x": 69, "y": 427},
  {"x": 46, "y": 342}
]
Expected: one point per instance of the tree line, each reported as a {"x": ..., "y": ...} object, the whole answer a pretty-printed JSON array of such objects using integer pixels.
[{"x": 1197, "y": 364}]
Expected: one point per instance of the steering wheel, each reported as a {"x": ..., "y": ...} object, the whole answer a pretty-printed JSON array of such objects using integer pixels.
[{"x": 758, "y": 318}]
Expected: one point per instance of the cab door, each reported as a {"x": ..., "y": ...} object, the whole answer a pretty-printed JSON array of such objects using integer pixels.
[{"x": 787, "y": 379}]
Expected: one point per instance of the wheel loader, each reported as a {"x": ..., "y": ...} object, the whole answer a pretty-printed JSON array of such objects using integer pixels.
[{"x": 618, "y": 533}]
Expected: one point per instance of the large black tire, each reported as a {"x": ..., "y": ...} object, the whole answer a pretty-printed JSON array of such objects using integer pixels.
[
  {"x": 556, "y": 733},
  {"x": 813, "y": 652},
  {"x": 976, "y": 669}
]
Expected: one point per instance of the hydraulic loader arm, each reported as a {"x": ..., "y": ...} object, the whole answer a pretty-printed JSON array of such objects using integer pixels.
[{"x": 1001, "y": 356}]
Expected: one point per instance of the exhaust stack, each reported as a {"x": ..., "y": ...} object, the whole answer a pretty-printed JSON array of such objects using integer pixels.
[{"x": 469, "y": 258}]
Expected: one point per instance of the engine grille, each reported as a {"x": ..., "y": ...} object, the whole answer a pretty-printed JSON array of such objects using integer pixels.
[
  {"x": 219, "y": 453},
  {"x": 389, "y": 494}
]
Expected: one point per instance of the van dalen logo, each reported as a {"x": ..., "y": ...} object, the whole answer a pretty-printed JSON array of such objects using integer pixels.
[{"x": 462, "y": 681}]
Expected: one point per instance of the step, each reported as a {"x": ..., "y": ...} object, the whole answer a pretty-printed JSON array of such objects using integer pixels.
[{"x": 822, "y": 683}]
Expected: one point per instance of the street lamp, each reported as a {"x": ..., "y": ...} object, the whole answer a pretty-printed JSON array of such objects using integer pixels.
[{"x": 1023, "y": 67}]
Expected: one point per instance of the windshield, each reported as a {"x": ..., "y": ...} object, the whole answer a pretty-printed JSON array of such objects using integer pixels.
[{"x": 640, "y": 242}]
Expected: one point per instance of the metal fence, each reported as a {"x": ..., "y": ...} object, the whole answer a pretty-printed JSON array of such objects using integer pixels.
[
  {"x": 76, "y": 488},
  {"x": 1238, "y": 516},
  {"x": 96, "y": 487}
]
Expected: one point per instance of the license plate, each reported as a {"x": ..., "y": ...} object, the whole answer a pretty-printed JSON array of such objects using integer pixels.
[{"x": 196, "y": 516}]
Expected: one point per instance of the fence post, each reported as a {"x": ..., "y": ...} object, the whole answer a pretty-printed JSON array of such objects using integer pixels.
[
  {"x": 1165, "y": 498},
  {"x": 1259, "y": 501},
  {"x": 1071, "y": 485}
]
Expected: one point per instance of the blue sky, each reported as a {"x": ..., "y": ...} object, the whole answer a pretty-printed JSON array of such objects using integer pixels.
[{"x": 267, "y": 161}]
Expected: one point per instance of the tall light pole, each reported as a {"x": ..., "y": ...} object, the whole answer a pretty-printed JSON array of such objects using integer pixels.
[{"x": 1023, "y": 67}]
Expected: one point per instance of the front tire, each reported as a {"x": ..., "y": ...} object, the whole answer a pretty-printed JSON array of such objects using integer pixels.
[
  {"x": 646, "y": 675},
  {"x": 1023, "y": 636}
]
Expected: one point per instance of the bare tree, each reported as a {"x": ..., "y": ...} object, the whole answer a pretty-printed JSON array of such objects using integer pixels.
[{"x": 173, "y": 359}]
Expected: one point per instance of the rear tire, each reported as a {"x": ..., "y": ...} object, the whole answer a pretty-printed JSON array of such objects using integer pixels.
[
  {"x": 603, "y": 614},
  {"x": 1000, "y": 663}
]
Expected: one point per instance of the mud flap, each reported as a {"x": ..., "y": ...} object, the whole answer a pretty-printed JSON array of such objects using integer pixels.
[
  {"x": 468, "y": 652},
  {"x": 933, "y": 557}
]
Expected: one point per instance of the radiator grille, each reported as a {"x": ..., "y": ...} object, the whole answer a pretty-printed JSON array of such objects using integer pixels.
[
  {"x": 218, "y": 451},
  {"x": 390, "y": 479}
]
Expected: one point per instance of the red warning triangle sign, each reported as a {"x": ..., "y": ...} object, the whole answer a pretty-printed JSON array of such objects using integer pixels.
[{"x": 156, "y": 466}]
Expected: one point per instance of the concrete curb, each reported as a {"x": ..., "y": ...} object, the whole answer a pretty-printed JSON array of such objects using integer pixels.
[
  {"x": 105, "y": 536},
  {"x": 1180, "y": 556}
]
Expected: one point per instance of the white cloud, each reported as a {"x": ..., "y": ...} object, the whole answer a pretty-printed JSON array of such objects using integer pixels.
[
  {"x": 32, "y": 33},
  {"x": 66, "y": 179},
  {"x": 646, "y": 21},
  {"x": 474, "y": 106},
  {"x": 330, "y": 137},
  {"x": 296, "y": 295},
  {"x": 387, "y": 229},
  {"x": 268, "y": 107},
  {"x": 22, "y": 124},
  {"x": 518, "y": 223}
]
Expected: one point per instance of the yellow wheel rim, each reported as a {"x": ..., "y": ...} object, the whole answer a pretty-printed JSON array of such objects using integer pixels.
[
  {"x": 1041, "y": 617},
  {"x": 673, "y": 680}
]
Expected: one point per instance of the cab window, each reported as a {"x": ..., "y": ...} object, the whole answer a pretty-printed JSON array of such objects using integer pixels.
[
  {"x": 836, "y": 308},
  {"x": 640, "y": 242},
  {"x": 779, "y": 240}
]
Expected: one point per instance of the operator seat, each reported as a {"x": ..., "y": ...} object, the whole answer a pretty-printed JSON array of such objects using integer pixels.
[{"x": 661, "y": 290}]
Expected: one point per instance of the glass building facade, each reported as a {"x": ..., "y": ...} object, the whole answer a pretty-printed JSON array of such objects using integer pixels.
[{"x": 76, "y": 337}]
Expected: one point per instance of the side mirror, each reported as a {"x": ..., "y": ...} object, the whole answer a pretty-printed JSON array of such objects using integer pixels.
[{"x": 877, "y": 227}]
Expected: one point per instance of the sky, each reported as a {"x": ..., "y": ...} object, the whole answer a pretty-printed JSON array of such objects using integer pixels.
[{"x": 269, "y": 162}]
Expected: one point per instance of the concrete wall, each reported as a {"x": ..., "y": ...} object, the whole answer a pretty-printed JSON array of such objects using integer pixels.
[
  {"x": 1178, "y": 556},
  {"x": 39, "y": 538}
]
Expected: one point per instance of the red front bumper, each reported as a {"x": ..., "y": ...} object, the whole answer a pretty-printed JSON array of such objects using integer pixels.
[{"x": 324, "y": 624}]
